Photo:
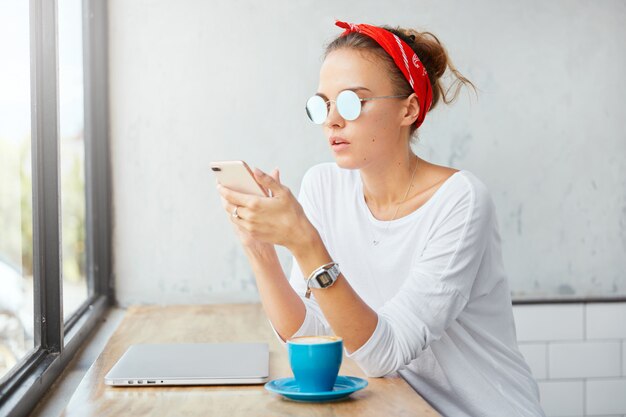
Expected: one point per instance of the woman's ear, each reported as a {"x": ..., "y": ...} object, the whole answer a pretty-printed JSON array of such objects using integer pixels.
[{"x": 411, "y": 110}]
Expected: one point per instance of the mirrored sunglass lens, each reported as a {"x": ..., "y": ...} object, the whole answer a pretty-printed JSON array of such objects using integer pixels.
[
  {"x": 316, "y": 109},
  {"x": 348, "y": 105}
]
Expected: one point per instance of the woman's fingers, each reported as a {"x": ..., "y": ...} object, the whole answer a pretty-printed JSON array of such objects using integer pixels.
[
  {"x": 273, "y": 220},
  {"x": 276, "y": 175},
  {"x": 230, "y": 209},
  {"x": 242, "y": 217},
  {"x": 237, "y": 198},
  {"x": 268, "y": 181},
  {"x": 235, "y": 212}
]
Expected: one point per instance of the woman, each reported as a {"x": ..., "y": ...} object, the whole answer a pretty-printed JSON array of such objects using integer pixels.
[{"x": 398, "y": 256}]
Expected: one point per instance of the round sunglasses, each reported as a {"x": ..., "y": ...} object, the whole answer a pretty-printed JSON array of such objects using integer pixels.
[{"x": 348, "y": 105}]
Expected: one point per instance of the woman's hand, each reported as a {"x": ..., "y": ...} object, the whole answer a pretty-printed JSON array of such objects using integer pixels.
[
  {"x": 278, "y": 219},
  {"x": 246, "y": 238}
]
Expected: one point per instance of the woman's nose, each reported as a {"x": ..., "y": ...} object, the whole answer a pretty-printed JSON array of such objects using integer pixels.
[{"x": 334, "y": 118}]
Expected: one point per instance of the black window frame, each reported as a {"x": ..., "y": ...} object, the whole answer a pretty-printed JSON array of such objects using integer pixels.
[{"x": 57, "y": 340}]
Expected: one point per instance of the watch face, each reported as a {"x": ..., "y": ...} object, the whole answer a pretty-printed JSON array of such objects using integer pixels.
[{"x": 324, "y": 279}]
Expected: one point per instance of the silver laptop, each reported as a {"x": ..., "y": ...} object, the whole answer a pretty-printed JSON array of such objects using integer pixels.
[{"x": 191, "y": 364}]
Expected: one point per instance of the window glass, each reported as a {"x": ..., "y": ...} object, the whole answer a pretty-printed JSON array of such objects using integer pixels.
[
  {"x": 72, "y": 154},
  {"x": 16, "y": 228}
]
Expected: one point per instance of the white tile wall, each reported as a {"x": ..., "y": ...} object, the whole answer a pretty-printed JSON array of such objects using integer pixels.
[
  {"x": 606, "y": 396},
  {"x": 585, "y": 359},
  {"x": 562, "y": 398},
  {"x": 536, "y": 355},
  {"x": 577, "y": 353},
  {"x": 606, "y": 321},
  {"x": 549, "y": 322}
]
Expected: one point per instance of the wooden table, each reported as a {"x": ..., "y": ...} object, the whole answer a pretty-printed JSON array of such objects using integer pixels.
[{"x": 390, "y": 396}]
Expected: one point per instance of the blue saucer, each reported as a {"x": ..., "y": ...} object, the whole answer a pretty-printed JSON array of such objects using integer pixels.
[{"x": 344, "y": 386}]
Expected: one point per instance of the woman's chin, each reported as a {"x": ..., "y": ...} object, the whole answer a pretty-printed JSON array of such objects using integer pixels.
[{"x": 347, "y": 163}]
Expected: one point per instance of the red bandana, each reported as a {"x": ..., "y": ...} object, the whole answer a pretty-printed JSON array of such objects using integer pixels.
[{"x": 415, "y": 74}]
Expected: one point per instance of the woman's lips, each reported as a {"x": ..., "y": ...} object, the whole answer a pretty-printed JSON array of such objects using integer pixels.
[
  {"x": 338, "y": 147},
  {"x": 338, "y": 144}
]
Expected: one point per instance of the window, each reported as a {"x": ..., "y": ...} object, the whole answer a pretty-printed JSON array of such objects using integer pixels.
[
  {"x": 16, "y": 248},
  {"x": 54, "y": 190}
]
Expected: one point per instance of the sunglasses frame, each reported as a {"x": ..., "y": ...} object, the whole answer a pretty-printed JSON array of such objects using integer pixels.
[{"x": 361, "y": 100}]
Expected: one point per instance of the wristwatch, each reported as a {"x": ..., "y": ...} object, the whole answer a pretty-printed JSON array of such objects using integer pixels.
[{"x": 322, "y": 277}]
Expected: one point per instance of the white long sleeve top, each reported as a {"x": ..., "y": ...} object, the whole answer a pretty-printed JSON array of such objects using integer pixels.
[{"x": 437, "y": 283}]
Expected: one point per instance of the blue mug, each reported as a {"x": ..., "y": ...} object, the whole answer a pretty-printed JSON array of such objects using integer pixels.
[{"x": 315, "y": 361}]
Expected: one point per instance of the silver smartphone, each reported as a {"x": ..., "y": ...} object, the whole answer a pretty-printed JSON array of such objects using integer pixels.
[{"x": 237, "y": 176}]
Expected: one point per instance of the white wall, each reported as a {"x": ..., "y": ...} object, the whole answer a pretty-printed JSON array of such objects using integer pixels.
[{"x": 194, "y": 81}]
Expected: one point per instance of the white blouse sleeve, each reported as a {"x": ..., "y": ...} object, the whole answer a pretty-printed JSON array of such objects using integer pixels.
[
  {"x": 315, "y": 324},
  {"x": 438, "y": 287}
]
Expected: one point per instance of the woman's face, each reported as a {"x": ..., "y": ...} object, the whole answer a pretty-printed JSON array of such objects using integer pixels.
[{"x": 378, "y": 133}]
